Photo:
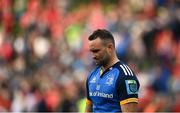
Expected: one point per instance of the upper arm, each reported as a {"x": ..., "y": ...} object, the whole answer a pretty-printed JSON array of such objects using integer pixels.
[
  {"x": 88, "y": 100},
  {"x": 87, "y": 88},
  {"x": 129, "y": 107},
  {"x": 88, "y": 106},
  {"x": 127, "y": 88}
]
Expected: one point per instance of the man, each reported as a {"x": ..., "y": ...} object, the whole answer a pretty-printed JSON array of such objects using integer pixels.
[{"x": 111, "y": 86}]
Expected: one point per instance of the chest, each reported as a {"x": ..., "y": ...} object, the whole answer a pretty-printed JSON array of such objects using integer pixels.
[{"x": 102, "y": 86}]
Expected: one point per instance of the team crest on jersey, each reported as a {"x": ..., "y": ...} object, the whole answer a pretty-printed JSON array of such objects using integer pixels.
[
  {"x": 109, "y": 81},
  {"x": 93, "y": 80},
  {"x": 131, "y": 87}
]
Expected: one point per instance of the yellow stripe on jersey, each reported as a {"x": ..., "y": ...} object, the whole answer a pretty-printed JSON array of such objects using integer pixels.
[
  {"x": 88, "y": 101},
  {"x": 128, "y": 101},
  {"x": 101, "y": 71}
]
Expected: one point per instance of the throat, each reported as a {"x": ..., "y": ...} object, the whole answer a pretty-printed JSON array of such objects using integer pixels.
[
  {"x": 109, "y": 64},
  {"x": 105, "y": 67}
]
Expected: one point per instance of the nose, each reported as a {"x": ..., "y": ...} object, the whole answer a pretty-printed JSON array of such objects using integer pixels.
[{"x": 94, "y": 55}]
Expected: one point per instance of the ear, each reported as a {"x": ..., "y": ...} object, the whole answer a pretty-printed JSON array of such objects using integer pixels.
[{"x": 110, "y": 46}]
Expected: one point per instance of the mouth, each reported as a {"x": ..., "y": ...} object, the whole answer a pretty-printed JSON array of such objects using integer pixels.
[{"x": 96, "y": 60}]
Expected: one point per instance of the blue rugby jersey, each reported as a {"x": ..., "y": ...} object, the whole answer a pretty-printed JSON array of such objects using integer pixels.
[{"x": 117, "y": 85}]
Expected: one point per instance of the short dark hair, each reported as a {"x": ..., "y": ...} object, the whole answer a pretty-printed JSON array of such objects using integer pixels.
[{"x": 103, "y": 34}]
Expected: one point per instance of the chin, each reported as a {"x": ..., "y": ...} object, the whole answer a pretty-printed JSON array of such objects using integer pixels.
[{"x": 97, "y": 63}]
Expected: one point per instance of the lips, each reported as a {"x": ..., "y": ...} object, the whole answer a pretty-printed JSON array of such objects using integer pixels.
[{"x": 95, "y": 58}]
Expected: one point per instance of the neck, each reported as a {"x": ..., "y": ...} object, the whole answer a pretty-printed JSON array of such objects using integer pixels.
[{"x": 111, "y": 62}]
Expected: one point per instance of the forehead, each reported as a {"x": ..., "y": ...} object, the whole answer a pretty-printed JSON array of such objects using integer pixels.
[{"x": 97, "y": 43}]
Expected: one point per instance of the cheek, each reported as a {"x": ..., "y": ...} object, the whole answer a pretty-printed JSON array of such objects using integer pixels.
[
  {"x": 109, "y": 52},
  {"x": 103, "y": 55}
]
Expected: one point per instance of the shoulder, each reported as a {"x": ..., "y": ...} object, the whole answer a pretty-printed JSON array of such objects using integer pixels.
[
  {"x": 125, "y": 72},
  {"x": 124, "y": 69}
]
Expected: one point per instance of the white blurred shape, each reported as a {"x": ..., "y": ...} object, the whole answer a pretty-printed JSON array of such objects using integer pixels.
[
  {"x": 19, "y": 45},
  {"x": 41, "y": 46},
  {"x": 18, "y": 102}
]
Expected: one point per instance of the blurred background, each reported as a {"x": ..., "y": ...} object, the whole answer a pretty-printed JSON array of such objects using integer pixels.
[{"x": 44, "y": 57}]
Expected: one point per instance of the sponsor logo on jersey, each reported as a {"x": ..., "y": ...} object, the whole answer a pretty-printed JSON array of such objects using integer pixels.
[
  {"x": 100, "y": 94},
  {"x": 93, "y": 80},
  {"x": 98, "y": 87}
]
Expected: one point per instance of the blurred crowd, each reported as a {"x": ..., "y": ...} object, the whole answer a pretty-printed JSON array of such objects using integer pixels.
[{"x": 44, "y": 57}]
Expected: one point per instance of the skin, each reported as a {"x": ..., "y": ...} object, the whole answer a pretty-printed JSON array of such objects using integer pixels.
[
  {"x": 88, "y": 107},
  {"x": 104, "y": 54},
  {"x": 129, "y": 107}
]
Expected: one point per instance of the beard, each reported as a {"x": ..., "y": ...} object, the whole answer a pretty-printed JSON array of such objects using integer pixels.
[{"x": 103, "y": 61}]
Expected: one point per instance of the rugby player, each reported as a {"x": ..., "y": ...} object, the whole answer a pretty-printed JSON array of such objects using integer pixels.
[{"x": 112, "y": 86}]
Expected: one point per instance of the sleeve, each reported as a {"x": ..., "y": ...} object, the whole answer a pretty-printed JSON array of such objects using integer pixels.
[
  {"x": 127, "y": 89},
  {"x": 87, "y": 86},
  {"x": 87, "y": 90}
]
